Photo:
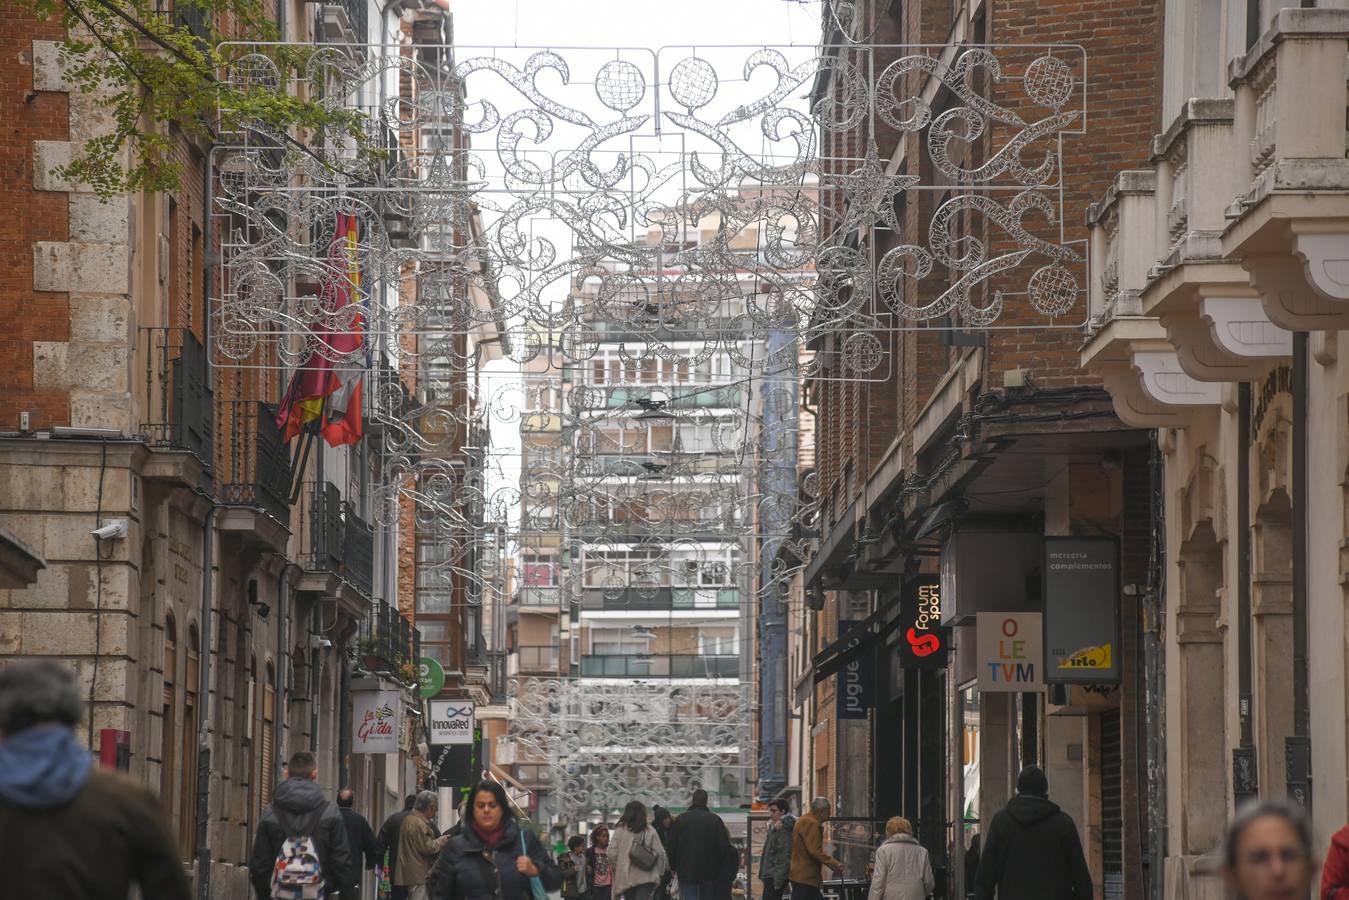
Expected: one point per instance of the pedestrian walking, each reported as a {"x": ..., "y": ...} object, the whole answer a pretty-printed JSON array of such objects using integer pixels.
[
  {"x": 71, "y": 830},
  {"x": 808, "y": 857},
  {"x": 576, "y": 869},
  {"x": 1031, "y": 849},
  {"x": 418, "y": 847},
  {"x": 776, "y": 861},
  {"x": 301, "y": 843},
  {"x": 602, "y": 877},
  {"x": 1268, "y": 853},
  {"x": 360, "y": 840},
  {"x": 1335, "y": 872},
  {"x": 902, "y": 869},
  {"x": 386, "y": 846},
  {"x": 662, "y": 821},
  {"x": 636, "y": 855},
  {"x": 494, "y": 856},
  {"x": 699, "y": 847}
]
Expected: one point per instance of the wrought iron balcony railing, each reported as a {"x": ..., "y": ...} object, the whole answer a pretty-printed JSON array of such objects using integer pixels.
[
  {"x": 664, "y": 666},
  {"x": 174, "y": 399},
  {"x": 252, "y": 465},
  {"x": 388, "y": 642},
  {"x": 662, "y": 599},
  {"x": 333, "y": 538},
  {"x": 541, "y": 598}
]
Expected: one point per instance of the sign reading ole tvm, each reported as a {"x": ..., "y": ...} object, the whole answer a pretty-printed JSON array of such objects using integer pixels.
[
  {"x": 1011, "y": 651},
  {"x": 451, "y": 722},
  {"x": 374, "y": 721}
]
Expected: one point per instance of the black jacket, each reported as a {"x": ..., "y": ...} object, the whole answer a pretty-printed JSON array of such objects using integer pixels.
[
  {"x": 699, "y": 847},
  {"x": 1032, "y": 852},
  {"x": 467, "y": 870},
  {"x": 298, "y": 807},
  {"x": 387, "y": 842},
  {"x": 360, "y": 841}
]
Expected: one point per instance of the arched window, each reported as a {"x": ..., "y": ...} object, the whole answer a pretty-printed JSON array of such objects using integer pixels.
[
  {"x": 169, "y": 720},
  {"x": 187, "y": 775}
]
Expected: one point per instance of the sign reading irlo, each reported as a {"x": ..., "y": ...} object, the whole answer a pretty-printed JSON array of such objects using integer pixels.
[{"x": 1081, "y": 586}]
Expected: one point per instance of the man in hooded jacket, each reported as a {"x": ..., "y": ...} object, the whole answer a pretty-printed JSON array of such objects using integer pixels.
[
  {"x": 1031, "y": 849},
  {"x": 68, "y": 829},
  {"x": 299, "y": 808}
]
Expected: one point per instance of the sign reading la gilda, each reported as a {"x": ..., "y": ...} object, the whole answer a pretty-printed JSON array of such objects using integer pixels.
[
  {"x": 451, "y": 722},
  {"x": 1011, "y": 652},
  {"x": 1081, "y": 587},
  {"x": 923, "y": 642},
  {"x": 374, "y": 721}
]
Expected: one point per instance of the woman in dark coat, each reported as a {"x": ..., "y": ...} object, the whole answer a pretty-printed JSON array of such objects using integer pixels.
[{"x": 486, "y": 861}]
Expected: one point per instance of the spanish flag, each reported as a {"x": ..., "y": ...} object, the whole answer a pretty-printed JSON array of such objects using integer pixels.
[{"x": 325, "y": 391}]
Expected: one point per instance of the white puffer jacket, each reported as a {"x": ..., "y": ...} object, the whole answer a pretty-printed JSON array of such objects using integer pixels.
[{"x": 902, "y": 871}]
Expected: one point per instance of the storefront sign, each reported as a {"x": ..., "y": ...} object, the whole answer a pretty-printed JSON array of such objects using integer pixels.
[
  {"x": 1081, "y": 587},
  {"x": 451, "y": 722},
  {"x": 430, "y": 676},
  {"x": 923, "y": 643},
  {"x": 856, "y": 682},
  {"x": 1011, "y": 652},
  {"x": 374, "y": 721}
]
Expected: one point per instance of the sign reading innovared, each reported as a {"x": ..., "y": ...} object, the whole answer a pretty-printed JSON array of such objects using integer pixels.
[
  {"x": 451, "y": 722},
  {"x": 1081, "y": 587}
]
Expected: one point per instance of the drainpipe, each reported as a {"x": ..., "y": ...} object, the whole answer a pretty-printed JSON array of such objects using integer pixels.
[
  {"x": 207, "y": 577},
  {"x": 283, "y": 698},
  {"x": 1244, "y": 773},
  {"x": 204, "y": 709},
  {"x": 314, "y": 678},
  {"x": 1298, "y": 755}
]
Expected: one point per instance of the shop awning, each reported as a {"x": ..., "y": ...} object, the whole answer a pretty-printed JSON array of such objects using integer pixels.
[{"x": 851, "y": 645}]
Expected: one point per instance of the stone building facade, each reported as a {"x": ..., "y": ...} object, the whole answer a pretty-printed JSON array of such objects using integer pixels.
[{"x": 1219, "y": 294}]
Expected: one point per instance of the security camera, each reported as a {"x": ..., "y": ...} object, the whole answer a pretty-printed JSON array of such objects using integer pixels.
[
  {"x": 113, "y": 531},
  {"x": 320, "y": 643}
]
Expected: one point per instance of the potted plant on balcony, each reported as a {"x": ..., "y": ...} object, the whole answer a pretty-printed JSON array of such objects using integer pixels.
[
  {"x": 368, "y": 650},
  {"x": 407, "y": 673}
]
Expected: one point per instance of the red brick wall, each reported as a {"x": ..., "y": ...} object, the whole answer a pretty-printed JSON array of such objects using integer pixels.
[{"x": 31, "y": 216}]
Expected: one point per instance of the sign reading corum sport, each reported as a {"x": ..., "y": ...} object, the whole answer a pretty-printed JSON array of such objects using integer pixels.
[
  {"x": 1011, "y": 655},
  {"x": 1081, "y": 587},
  {"x": 374, "y": 721},
  {"x": 451, "y": 722}
]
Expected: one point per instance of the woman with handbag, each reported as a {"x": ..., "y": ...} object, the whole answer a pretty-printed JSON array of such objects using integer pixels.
[
  {"x": 636, "y": 854},
  {"x": 493, "y": 857}
]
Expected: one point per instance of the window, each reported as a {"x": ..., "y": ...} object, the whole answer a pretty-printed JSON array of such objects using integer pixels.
[
  {"x": 169, "y": 719},
  {"x": 187, "y": 774},
  {"x": 267, "y": 737},
  {"x": 617, "y": 642}
]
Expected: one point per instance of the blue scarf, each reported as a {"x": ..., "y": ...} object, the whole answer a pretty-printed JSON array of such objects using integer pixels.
[{"x": 43, "y": 766}]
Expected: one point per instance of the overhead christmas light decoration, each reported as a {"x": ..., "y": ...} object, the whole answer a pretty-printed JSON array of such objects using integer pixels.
[{"x": 664, "y": 243}]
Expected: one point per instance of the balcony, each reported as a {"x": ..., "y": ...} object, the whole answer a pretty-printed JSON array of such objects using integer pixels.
[
  {"x": 1290, "y": 226},
  {"x": 387, "y": 642},
  {"x": 660, "y": 666},
  {"x": 252, "y": 463},
  {"x": 539, "y": 599},
  {"x": 538, "y": 660},
  {"x": 661, "y": 599},
  {"x": 174, "y": 401},
  {"x": 1128, "y": 349},
  {"x": 1213, "y": 317}
]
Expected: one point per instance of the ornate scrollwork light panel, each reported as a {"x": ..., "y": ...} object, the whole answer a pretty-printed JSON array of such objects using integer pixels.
[{"x": 662, "y": 244}]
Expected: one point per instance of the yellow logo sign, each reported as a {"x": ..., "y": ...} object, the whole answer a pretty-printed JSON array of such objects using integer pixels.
[{"x": 1088, "y": 658}]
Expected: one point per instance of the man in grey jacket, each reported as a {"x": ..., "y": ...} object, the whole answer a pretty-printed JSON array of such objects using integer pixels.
[
  {"x": 903, "y": 870},
  {"x": 776, "y": 860},
  {"x": 299, "y": 808}
]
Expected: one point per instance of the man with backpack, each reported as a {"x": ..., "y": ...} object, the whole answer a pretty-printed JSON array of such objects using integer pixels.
[{"x": 300, "y": 852}]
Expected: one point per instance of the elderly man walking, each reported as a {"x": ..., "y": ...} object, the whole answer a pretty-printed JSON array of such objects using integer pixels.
[
  {"x": 418, "y": 847},
  {"x": 72, "y": 830},
  {"x": 808, "y": 856}
]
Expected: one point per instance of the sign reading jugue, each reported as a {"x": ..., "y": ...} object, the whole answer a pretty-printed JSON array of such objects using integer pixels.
[
  {"x": 1081, "y": 586},
  {"x": 451, "y": 722},
  {"x": 374, "y": 721}
]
